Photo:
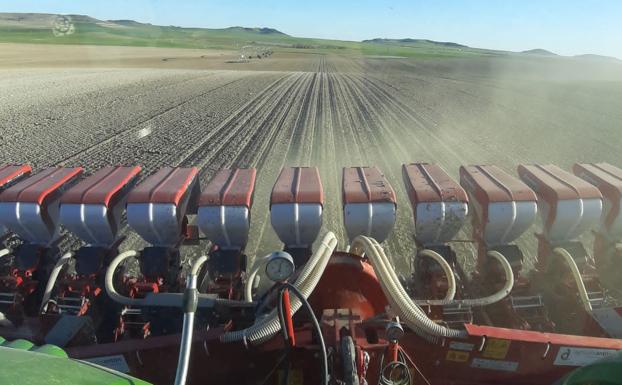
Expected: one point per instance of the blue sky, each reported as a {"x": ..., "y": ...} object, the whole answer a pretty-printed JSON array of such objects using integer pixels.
[{"x": 567, "y": 27}]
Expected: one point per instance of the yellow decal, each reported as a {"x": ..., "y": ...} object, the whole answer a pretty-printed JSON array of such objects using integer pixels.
[
  {"x": 457, "y": 356},
  {"x": 496, "y": 348},
  {"x": 295, "y": 376}
]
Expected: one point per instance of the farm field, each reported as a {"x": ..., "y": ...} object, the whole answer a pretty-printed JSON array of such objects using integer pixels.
[{"x": 97, "y": 106}]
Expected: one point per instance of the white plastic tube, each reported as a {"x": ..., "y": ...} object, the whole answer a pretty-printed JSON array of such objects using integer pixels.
[
  {"x": 484, "y": 301},
  {"x": 400, "y": 302},
  {"x": 109, "y": 280},
  {"x": 185, "y": 348},
  {"x": 4, "y": 252},
  {"x": 310, "y": 275},
  {"x": 196, "y": 266},
  {"x": 127, "y": 301},
  {"x": 565, "y": 255},
  {"x": 62, "y": 261},
  {"x": 451, "y": 279},
  {"x": 248, "y": 286}
]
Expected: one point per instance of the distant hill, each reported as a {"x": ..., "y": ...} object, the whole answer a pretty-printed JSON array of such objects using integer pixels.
[
  {"x": 597, "y": 57},
  {"x": 38, "y": 27},
  {"x": 45, "y": 28},
  {"x": 45, "y": 20},
  {"x": 263, "y": 31},
  {"x": 539, "y": 51},
  {"x": 409, "y": 41}
]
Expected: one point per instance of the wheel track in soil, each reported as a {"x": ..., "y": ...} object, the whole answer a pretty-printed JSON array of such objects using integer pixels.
[
  {"x": 131, "y": 132},
  {"x": 129, "y": 93}
]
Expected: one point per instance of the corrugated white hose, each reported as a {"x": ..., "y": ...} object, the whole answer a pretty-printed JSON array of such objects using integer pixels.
[
  {"x": 449, "y": 273},
  {"x": 484, "y": 301},
  {"x": 401, "y": 303},
  {"x": 576, "y": 275},
  {"x": 310, "y": 275},
  {"x": 62, "y": 261},
  {"x": 4, "y": 252}
]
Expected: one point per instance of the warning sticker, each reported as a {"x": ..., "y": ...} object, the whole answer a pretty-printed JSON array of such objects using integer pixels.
[
  {"x": 464, "y": 346},
  {"x": 506, "y": 366},
  {"x": 567, "y": 356},
  {"x": 496, "y": 348},
  {"x": 457, "y": 356},
  {"x": 116, "y": 362}
]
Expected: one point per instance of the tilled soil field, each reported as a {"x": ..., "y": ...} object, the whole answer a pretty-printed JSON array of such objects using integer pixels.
[{"x": 329, "y": 111}]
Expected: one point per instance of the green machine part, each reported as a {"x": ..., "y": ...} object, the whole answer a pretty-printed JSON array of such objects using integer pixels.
[
  {"x": 25, "y": 364},
  {"x": 606, "y": 371}
]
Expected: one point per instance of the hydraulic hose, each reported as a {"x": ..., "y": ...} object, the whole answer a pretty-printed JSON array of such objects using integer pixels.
[
  {"x": 565, "y": 255},
  {"x": 190, "y": 308},
  {"x": 401, "y": 303},
  {"x": 266, "y": 327},
  {"x": 493, "y": 298},
  {"x": 62, "y": 261}
]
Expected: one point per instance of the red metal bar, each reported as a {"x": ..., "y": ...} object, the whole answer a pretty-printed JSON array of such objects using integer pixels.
[
  {"x": 392, "y": 351},
  {"x": 288, "y": 318}
]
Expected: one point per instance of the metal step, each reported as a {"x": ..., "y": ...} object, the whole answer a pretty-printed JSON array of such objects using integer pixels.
[
  {"x": 456, "y": 315},
  {"x": 133, "y": 316},
  {"x": 596, "y": 298},
  {"x": 526, "y": 302},
  {"x": 70, "y": 305},
  {"x": 7, "y": 298}
]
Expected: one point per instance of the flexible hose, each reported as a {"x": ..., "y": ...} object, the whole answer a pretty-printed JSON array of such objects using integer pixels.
[
  {"x": 248, "y": 286},
  {"x": 414, "y": 317},
  {"x": 565, "y": 255},
  {"x": 4, "y": 252},
  {"x": 186, "y": 337},
  {"x": 190, "y": 309},
  {"x": 196, "y": 266},
  {"x": 109, "y": 280},
  {"x": 449, "y": 273},
  {"x": 267, "y": 327},
  {"x": 484, "y": 301},
  {"x": 47, "y": 294},
  {"x": 127, "y": 301}
]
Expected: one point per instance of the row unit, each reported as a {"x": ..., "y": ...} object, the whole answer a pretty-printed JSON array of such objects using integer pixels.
[{"x": 504, "y": 206}]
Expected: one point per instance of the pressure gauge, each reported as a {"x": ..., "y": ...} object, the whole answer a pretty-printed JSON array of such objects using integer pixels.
[
  {"x": 394, "y": 330},
  {"x": 280, "y": 266}
]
